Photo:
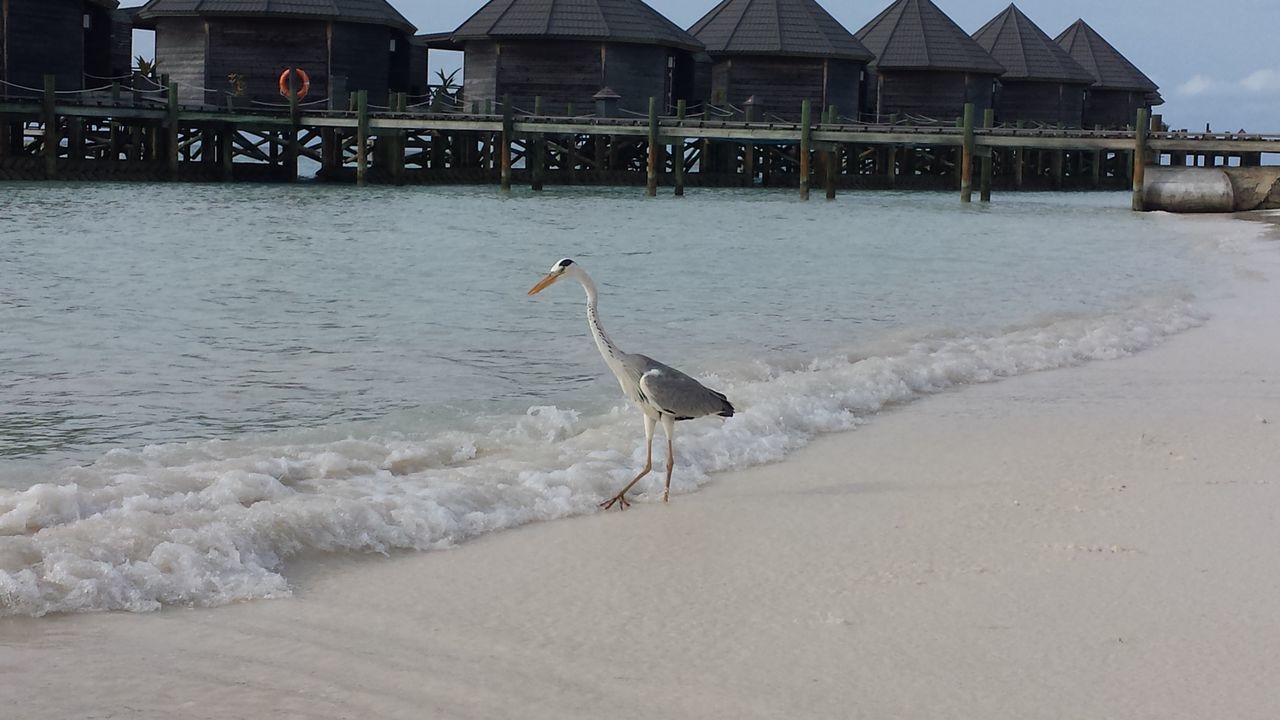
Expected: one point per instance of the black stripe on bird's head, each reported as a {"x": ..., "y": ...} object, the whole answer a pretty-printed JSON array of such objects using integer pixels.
[{"x": 557, "y": 271}]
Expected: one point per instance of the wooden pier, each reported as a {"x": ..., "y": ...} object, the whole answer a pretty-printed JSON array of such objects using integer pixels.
[{"x": 122, "y": 135}]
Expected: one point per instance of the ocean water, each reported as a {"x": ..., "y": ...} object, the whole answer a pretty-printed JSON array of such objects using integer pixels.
[{"x": 199, "y": 382}]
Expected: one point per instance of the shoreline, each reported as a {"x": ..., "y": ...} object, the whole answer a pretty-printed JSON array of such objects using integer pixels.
[{"x": 1093, "y": 541}]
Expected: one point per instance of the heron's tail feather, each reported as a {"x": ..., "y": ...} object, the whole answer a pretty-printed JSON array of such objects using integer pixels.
[{"x": 726, "y": 407}]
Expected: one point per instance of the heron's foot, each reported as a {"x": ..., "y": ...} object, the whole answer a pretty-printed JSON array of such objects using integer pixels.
[
  {"x": 666, "y": 496},
  {"x": 620, "y": 499}
]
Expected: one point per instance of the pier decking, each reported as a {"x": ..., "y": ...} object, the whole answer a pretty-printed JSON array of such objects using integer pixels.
[{"x": 123, "y": 135}]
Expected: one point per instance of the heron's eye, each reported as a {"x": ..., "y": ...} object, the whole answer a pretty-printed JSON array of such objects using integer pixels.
[{"x": 565, "y": 263}]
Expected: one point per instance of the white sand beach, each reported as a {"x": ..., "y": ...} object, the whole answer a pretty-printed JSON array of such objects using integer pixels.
[{"x": 1094, "y": 542}]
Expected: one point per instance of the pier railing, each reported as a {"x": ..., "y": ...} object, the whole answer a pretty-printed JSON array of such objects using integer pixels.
[{"x": 124, "y": 134}]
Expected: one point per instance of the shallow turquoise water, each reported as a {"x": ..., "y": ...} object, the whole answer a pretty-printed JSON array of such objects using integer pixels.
[{"x": 142, "y": 314}]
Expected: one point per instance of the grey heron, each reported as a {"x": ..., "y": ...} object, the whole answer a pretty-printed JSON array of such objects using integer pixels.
[{"x": 662, "y": 393}]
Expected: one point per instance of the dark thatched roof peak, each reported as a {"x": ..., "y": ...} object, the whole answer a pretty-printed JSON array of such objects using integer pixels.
[
  {"x": 794, "y": 28},
  {"x": 623, "y": 21},
  {"x": 375, "y": 12},
  {"x": 1026, "y": 52},
  {"x": 1110, "y": 69},
  {"x": 916, "y": 35}
]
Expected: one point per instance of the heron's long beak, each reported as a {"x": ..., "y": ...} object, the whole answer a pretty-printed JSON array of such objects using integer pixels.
[{"x": 544, "y": 283}]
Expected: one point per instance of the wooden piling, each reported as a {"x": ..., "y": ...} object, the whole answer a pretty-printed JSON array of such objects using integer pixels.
[
  {"x": 51, "y": 140},
  {"x": 536, "y": 147},
  {"x": 830, "y": 166},
  {"x": 749, "y": 147},
  {"x": 806, "y": 117},
  {"x": 959, "y": 152},
  {"x": 135, "y": 145},
  {"x": 171, "y": 130},
  {"x": 75, "y": 138},
  {"x": 677, "y": 151},
  {"x": 1019, "y": 162},
  {"x": 830, "y": 157},
  {"x": 984, "y": 182},
  {"x": 651, "y": 174},
  {"x": 966, "y": 156},
  {"x": 439, "y": 139},
  {"x": 362, "y": 137},
  {"x": 1139, "y": 159},
  {"x": 295, "y": 121},
  {"x": 504, "y": 152},
  {"x": 226, "y": 149}
]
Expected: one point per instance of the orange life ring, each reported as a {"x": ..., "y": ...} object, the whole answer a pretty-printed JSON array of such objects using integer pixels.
[{"x": 284, "y": 82}]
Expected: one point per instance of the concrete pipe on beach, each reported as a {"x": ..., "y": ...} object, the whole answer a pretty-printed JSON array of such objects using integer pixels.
[
  {"x": 1187, "y": 190},
  {"x": 1256, "y": 188}
]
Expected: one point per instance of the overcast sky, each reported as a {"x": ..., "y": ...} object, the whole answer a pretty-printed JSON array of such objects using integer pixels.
[{"x": 1216, "y": 62}]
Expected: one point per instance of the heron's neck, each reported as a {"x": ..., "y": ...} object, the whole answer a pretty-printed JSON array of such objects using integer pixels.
[{"x": 610, "y": 351}]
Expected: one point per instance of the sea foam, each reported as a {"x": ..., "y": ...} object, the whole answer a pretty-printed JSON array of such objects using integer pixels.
[{"x": 208, "y": 523}]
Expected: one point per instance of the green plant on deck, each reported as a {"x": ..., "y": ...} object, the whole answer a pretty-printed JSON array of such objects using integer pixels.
[
  {"x": 239, "y": 84},
  {"x": 146, "y": 68},
  {"x": 447, "y": 88}
]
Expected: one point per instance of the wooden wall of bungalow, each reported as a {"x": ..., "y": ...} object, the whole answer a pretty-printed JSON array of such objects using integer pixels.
[
  {"x": 1052, "y": 103},
  {"x": 936, "y": 94},
  {"x": 50, "y": 37},
  {"x": 201, "y": 54},
  {"x": 564, "y": 72},
  {"x": 121, "y": 53},
  {"x": 780, "y": 84},
  {"x": 419, "y": 76},
  {"x": 108, "y": 42},
  {"x": 1107, "y": 108}
]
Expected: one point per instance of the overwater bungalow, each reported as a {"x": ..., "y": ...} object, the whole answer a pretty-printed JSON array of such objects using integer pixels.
[
  {"x": 926, "y": 66},
  {"x": 1041, "y": 82},
  {"x": 779, "y": 53},
  {"x": 569, "y": 53},
  {"x": 215, "y": 47},
  {"x": 69, "y": 39},
  {"x": 1119, "y": 88}
]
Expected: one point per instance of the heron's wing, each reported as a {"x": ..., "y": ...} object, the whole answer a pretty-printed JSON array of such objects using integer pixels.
[{"x": 679, "y": 395}]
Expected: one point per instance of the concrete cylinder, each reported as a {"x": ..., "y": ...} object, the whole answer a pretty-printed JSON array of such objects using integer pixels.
[{"x": 1187, "y": 190}]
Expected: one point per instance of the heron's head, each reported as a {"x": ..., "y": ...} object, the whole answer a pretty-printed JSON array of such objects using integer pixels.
[{"x": 559, "y": 270}]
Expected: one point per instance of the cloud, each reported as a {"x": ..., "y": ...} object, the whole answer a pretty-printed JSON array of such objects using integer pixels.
[
  {"x": 1262, "y": 80},
  {"x": 1197, "y": 85}
]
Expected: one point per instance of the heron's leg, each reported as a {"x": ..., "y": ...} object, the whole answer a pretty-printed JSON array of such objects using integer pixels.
[
  {"x": 620, "y": 498},
  {"x": 669, "y": 429}
]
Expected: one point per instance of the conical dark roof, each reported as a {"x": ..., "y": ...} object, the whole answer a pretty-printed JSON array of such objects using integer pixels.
[
  {"x": 377, "y": 12},
  {"x": 628, "y": 21},
  {"x": 794, "y": 28},
  {"x": 1026, "y": 52},
  {"x": 1110, "y": 69},
  {"x": 915, "y": 34}
]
